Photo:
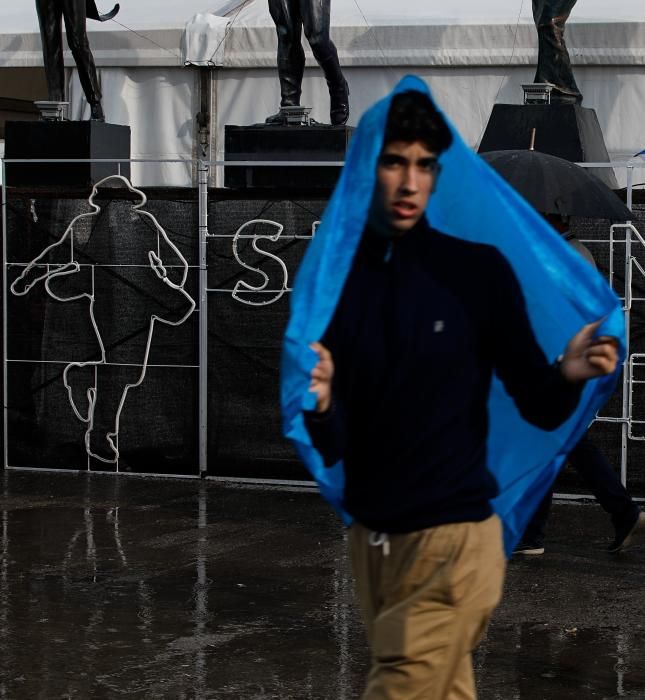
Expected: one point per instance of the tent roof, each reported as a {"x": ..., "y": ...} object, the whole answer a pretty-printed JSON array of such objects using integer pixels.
[
  {"x": 240, "y": 33},
  {"x": 387, "y": 12},
  {"x": 20, "y": 15}
]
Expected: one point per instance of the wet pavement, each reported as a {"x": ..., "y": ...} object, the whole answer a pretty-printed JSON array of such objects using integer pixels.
[{"x": 162, "y": 588}]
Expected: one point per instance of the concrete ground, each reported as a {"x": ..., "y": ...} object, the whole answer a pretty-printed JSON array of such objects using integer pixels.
[{"x": 146, "y": 588}]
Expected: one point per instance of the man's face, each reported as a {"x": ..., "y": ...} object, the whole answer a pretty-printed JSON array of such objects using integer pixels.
[{"x": 405, "y": 176}]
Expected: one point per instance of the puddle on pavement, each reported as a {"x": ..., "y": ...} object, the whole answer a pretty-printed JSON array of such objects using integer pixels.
[
  {"x": 152, "y": 589},
  {"x": 533, "y": 661}
]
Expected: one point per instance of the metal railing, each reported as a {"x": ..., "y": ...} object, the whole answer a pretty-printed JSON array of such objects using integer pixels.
[{"x": 626, "y": 243}]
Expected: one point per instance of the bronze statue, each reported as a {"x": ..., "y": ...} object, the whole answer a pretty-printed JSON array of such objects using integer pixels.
[
  {"x": 554, "y": 65},
  {"x": 291, "y": 17},
  {"x": 51, "y": 14}
]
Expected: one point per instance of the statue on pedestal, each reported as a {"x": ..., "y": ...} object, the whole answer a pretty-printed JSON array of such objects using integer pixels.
[
  {"x": 51, "y": 14},
  {"x": 554, "y": 65},
  {"x": 291, "y": 17}
]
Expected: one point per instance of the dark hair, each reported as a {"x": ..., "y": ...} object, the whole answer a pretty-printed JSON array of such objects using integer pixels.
[{"x": 413, "y": 117}]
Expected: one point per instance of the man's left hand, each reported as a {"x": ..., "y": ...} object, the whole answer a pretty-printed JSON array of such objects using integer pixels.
[{"x": 587, "y": 357}]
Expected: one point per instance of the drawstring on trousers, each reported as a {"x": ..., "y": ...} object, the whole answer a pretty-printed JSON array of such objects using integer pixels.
[{"x": 380, "y": 539}]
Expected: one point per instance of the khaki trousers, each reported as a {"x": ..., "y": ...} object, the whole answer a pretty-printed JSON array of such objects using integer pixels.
[{"x": 426, "y": 598}]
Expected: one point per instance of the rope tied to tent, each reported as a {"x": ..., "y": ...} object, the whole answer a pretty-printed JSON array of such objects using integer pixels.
[
  {"x": 228, "y": 29},
  {"x": 147, "y": 38}
]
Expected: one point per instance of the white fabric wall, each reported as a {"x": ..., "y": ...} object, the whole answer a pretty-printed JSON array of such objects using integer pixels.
[
  {"x": 160, "y": 108},
  {"x": 467, "y": 94}
]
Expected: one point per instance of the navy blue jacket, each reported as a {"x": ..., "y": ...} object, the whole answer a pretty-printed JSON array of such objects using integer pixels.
[{"x": 423, "y": 322}]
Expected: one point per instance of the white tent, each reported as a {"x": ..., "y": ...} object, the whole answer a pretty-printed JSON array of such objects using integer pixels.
[{"x": 472, "y": 54}]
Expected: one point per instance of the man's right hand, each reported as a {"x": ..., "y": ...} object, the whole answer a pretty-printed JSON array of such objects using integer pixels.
[{"x": 321, "y": 377}]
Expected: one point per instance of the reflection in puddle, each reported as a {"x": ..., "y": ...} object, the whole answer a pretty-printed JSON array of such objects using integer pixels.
[
  {"x": 201, "y": 591},
  {"x": 128, "y": 587},
  {"x": 546, "y": 661}
]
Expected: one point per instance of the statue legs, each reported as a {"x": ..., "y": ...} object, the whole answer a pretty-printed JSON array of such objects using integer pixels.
[
  {"x": 290, "y": 17},
  {"x": 75, "y": 19},
  {"x": 291, "y": 55},
  {"x": 50, "y": 19},
  {"x": 315, "y": 20},
  {"x": 554, "y": 64},
  {"x": 50, "y": 15}
]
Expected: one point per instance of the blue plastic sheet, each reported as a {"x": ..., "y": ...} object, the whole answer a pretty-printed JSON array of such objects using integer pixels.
[{"x": 563, "y": 292}]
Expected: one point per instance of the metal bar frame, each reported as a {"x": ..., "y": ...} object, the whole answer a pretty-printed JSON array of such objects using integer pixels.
[
  {"x": 5, "y": 366},
  {"x": 204, "y": 168},
  {"x": 202, "y": 390},
  {"x": 5, "y": 267}
]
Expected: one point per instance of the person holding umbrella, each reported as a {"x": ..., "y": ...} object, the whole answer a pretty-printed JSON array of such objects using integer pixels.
[
  {"x": 560, "y": 189},
  {"x": 592, "y": 465}
]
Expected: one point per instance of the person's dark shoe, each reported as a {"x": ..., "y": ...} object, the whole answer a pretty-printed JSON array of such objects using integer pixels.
[
  {"x": 530, "y": 549},
  {"x": 96, "y": 113},
  {"x": 629, "y": 534},
  {"x": 339, "y": 103}
]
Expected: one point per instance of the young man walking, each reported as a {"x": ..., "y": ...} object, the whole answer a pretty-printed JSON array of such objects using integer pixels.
[{"x": 402, "y": 385}]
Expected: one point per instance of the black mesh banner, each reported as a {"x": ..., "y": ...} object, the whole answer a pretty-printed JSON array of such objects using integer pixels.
[
  {"x": 101, "y": 350},
  {"x": 245, "y": 330},
  {"x": 102, "y": 338},
  {"x": 92, "y": 383}
]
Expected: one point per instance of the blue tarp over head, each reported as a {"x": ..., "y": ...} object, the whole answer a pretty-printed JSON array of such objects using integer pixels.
[{"x": 563, "y": 292}]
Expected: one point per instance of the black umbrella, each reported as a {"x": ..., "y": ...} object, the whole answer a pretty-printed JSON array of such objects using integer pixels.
[{"x": 557, "y": 186}]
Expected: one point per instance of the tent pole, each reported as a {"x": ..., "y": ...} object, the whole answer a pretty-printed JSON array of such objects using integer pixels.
[
  {"x": 203, "y": 137},
  {"x": 202, "y": 388},
  {"x": 5, "y": 392},
  {"x": 204, "y": 115}
]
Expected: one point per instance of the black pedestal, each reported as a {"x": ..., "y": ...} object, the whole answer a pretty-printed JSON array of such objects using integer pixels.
[
  {"x": 318, "y": 142},
  {"x": 64, "y": 140},
  {"x": 570, "y": 131}
]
